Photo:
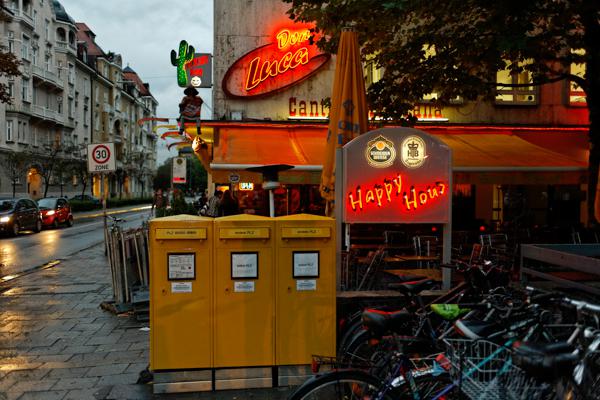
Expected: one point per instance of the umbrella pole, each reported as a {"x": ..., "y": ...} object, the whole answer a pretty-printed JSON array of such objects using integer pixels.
[{"x": 271, "y": 203}]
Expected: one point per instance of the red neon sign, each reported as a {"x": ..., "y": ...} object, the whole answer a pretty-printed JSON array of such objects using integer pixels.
[
  {"x": 286, "y": 61},
  {"x": 390, "y": 193}
]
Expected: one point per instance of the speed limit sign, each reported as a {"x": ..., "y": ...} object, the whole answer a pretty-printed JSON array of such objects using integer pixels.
[{"x": 101, "y": 157}]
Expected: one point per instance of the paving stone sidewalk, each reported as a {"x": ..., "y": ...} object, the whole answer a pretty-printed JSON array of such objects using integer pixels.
[{"x": 57, "y": 343}]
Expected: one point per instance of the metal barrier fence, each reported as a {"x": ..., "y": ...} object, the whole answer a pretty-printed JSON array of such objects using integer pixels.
[{"x": 128, "y": 258}]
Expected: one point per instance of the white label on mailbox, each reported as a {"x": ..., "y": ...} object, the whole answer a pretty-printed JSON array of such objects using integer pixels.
[
  {"x": 243, "y": 287},
  {"x": 244, "y": 265},
  {"x": 306, "y": 264},
  {"x": 306, "y": 284},
  {"x": 181, "y": 266},
  {"x": 181, "y": 287}
]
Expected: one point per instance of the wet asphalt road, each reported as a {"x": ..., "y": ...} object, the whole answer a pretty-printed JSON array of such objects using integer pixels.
[{"x": 30, "y": 251}]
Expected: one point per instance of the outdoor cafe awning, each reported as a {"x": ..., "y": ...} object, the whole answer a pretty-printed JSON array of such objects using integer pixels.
[{"x": 481, "y": 155}]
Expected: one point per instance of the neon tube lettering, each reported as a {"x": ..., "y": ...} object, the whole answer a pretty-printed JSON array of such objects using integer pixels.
[{"x": 353, "y": 202}]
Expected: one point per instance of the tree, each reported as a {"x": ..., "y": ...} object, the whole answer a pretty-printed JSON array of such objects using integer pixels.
[
  {"x": 455, "y": 47},
  {"x": 51, "y": 163},
  {"x": 9, "y": 64},
  {"x": 15, "y": 165}
]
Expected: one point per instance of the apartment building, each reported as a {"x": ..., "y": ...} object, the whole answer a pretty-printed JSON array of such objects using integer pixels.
[{"x": 71, "y": 94}]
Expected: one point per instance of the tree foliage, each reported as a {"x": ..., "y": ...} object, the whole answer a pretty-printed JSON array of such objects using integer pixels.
[
  {"x": 455, "y": 47},
  {"x": 15, "y": 166},
  {"x": 9, "y": 63}
]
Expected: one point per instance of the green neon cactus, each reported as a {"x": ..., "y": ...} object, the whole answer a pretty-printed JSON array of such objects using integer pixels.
[{"x": 186, "y": 54}]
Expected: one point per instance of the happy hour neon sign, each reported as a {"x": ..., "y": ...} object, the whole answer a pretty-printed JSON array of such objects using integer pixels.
[
  {"x": 390, "y": 193},
  {"x": 286, "y": 61}
]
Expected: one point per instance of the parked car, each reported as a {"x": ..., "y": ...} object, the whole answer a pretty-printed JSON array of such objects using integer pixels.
[
  {"x": 86, "y": 197},
  {"x": 55, "y": 211},
  {"x": 19, "y": 214}
]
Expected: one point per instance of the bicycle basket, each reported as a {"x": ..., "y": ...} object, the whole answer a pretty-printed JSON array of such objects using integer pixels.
[{"x": 484, "y": 370}]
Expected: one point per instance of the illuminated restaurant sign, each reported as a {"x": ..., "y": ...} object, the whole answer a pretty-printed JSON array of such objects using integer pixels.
[
  {"x": 396, "y": 175},
  {"x": 287, "y": 60}
]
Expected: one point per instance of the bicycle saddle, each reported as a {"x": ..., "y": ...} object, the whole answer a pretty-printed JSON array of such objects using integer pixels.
[
  {"x": 474, "y": 329},
  {"x": 545, "y": 362},
  {"x": 412, "y": 287},
  {"x": 380, "y": 321}
]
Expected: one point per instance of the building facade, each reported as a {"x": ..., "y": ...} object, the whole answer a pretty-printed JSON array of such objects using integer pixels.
[
  {"x": 522, "y": 156},
  {"x": 71, "y": 94}
]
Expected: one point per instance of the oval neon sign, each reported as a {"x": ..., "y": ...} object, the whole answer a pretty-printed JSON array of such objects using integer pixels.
[{"x": 285, "y": 62}]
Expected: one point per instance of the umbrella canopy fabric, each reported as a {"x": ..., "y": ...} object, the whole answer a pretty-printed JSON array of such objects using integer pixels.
[{"x": 348, "y": 115}]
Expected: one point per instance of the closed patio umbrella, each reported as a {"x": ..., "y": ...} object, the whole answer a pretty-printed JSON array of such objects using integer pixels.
[{"x": 348, "y": 115}]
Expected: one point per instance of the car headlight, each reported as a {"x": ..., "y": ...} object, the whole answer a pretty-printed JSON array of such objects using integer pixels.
[
  {"x": 51, "y": 212},
  {"x": 5, "y": 219}
]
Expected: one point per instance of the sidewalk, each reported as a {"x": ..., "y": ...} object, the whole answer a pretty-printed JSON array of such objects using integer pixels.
[
  {"x": 110, "y": 211},
  {"x": 56, "y": 342}
]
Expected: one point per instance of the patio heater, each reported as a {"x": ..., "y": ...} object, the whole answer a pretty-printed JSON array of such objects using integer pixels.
[{"x": 270, "y": 175}]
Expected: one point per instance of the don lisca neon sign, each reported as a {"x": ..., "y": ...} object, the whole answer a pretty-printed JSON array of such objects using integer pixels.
[
  {"x": 286, "y": 61},
  {"x": 390, "y": 193}
]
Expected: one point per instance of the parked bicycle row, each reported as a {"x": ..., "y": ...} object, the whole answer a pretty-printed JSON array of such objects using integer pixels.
[{"x": 483, "y": 340}]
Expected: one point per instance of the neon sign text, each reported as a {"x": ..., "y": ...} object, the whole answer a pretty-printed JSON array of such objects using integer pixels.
[
  {"x": 288, "y": 59},
  {"x": 286, "y": 38},
  {"x": 391, "y": 191},
  {"x": 258, "y": 74}
]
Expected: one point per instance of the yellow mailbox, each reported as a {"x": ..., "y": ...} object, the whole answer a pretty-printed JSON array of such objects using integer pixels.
[
  {"x": 244, "y": 301},
  {"x": 305, "y": 288},
  {"x": 181, "y": 255}
]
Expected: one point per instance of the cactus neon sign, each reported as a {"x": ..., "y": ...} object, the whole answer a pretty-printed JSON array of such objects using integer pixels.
[
  {"x": 179, "y": 60},
  {"x": 192, "y": 68},
  {"x": 286, "y": 61}
]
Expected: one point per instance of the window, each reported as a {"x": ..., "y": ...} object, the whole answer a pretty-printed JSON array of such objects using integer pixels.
[
  {"x": 47, "y": 29},
  {"x": 48, "y": 62},
  {"x": 11, "y": 42},
  {"x": 59, "y": 69},
  {"x": 25, "y": 90},
  {"x": 576, "y": 94},
  {"x": 11, "y": 89},
  {"x": 25, "y": 47},
  {"x": 34, "y": 55},
  {"x": 71, "y": 74},
  {"x": 9, "y": 131},
  {"x": 34, "y": 95},
  {"x": 34, "y": 136},
  {"x": 71, "y": 109},
  {"x": 86, "y": 117},
  {"x": 515, "y": 95},
  {"x": 59, "y": 101},
  {"x": 34, "y": 17}
]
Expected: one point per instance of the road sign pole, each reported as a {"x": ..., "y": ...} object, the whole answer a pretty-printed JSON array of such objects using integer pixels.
[{"x": 103, "y": 199}]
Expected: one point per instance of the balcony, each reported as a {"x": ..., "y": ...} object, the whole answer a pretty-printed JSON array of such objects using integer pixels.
[
  {"x": 46, "y": 114},
  {"x": 21, "y": 16},
  {"x": 65, "y": 47},
  {"x": 46, "y": 77},
  {"x": 23, "y": 108}
]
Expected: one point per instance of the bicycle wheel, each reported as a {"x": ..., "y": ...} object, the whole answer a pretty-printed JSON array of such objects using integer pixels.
[
  {"x": 428, "y": 386},
  {"x": 342, "y": 385}
]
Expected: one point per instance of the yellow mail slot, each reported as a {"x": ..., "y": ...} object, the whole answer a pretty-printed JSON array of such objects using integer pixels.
[
  {"x": 244, "y": 233},
  {"x": 180, "y": 233},
  {"x": 305, "y": 232}
]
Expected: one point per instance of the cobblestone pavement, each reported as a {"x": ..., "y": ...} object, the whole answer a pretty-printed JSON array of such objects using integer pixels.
[{"x": 56, "y": 342}]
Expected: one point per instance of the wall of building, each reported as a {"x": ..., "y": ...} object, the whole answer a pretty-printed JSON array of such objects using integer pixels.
[{"x": 244, "y": 25}]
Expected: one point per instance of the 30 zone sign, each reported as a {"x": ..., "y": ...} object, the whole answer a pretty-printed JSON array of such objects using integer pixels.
[{"x": 101, "y": 157}]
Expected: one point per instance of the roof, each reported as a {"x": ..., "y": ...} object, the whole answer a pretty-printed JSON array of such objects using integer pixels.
[
  {"x": 130, "y": 75},
  {"x": 61, "y": 13},
  {"x": 85, "y": 34},
  {"x": 475, "y": 150}
]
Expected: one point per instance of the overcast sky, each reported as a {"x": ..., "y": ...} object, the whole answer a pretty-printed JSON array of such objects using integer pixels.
[{"x": 144, "y": 32}]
